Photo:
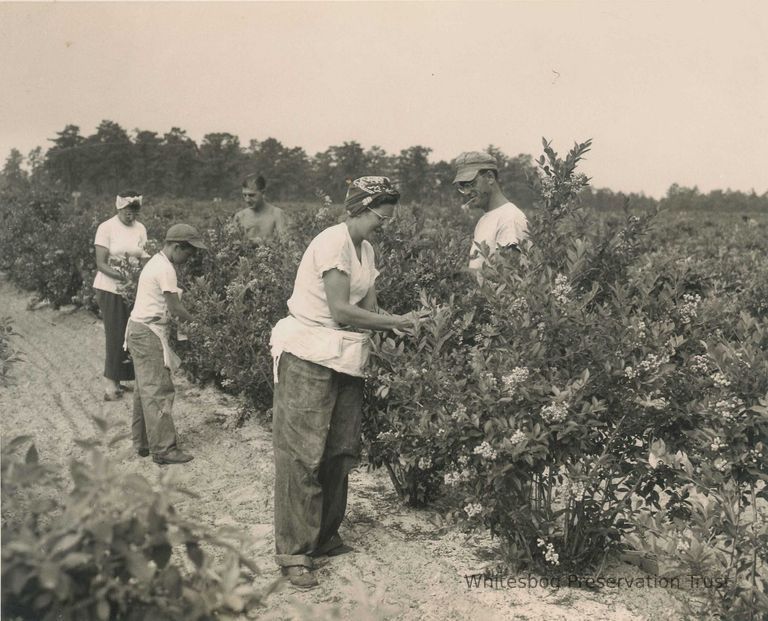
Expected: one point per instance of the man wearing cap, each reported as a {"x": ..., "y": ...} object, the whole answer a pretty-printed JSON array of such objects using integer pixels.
[
  {"x": 259, "y": 219},
  {"x": 147, "y": 339},
  {"x": 503, "y": 225}
]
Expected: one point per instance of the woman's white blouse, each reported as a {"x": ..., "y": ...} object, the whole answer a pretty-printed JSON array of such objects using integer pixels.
[
  {"x": 121, "y": 241},
  {"x": 310, "y": 331},
  {"x": 331, "y": 249}
]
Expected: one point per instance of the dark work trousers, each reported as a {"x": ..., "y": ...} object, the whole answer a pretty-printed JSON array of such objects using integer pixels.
[
  {"x": 317, "y": 414},
  {"x": 115, "y": 312}
]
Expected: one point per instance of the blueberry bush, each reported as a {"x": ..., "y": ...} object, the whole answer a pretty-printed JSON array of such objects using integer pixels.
[
  {"x": 101, "y": 544},
  {"x": 603, "y": 388}
]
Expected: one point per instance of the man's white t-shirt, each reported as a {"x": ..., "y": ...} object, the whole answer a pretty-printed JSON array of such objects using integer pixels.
[
  {"x": 157, "y": 277},
  {"x": 503, "y": 226},
  {"x": 121, "y": 241},
  {"x": 331, "y": 249}
]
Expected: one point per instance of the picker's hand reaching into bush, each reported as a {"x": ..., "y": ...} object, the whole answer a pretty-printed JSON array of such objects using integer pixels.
[{"x": 410, "y": 321}]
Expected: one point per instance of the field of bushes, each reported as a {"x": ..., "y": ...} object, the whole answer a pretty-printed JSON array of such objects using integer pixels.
[{"x": 603, "y": 391}]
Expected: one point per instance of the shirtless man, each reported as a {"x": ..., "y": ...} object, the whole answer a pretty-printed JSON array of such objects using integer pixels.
[{"x": 259, "y": 220}]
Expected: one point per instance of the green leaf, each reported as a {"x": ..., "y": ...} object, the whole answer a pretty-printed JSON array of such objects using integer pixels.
[
  {"x": 42, "y": 601},
  {"x": 161, "y": 554},
  {"x": 49, "y": 575},
  {"x": 102, "y": 531},
  {"x": 195, "y": 553},
  {"x": 22, "y": 547},
  {"x": 65, "y": 543},
  {"x": 31, "y": 456},
  {"x": 64, "y": 587},
  {"x": 171, "y": 581},
  {"x": 102, "y": 610},
  {"x": 139, "y": 567},
  {"x": 231, "y": 574},
  {"x": 18, "y": 579},
  {"x": 156, "y": 523},
  {"x": 16, "y": 442},
  {"x": 234, "y": 602},
  {"x": 76, "y": 559}
]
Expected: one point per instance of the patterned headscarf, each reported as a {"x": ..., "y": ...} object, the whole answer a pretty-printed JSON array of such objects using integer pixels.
[
  {"x": 364, "y": 191},
  {"x": 121, "y": 202}
]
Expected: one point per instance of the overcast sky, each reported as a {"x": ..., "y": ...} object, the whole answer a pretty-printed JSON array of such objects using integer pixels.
[{"x": 669, "y": 91}]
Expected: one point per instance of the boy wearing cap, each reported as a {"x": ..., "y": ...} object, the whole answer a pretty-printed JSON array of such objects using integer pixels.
[
  {"x": 259, "y": 220},
  {"x": 147, "y": 339},
  {"x": 503, "y": 225}
]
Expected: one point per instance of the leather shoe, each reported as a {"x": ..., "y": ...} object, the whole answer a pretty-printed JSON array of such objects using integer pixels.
[
  {"x": 142, "y": 452},
  {"x": 113, "y": 396},
  {"x": 339, "y": 550},
  {"x": 301, "y": 577},
  {"x": 173, "y": 457}
]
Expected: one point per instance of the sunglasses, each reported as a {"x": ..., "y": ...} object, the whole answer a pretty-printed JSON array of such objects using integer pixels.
[{"x": 465, "y": 186}]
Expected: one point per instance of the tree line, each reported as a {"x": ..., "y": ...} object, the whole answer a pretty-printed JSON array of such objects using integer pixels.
[{"x": 174, "y": 165}]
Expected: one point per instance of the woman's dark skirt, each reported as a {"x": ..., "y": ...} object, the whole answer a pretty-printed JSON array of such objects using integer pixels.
[{"x": 115, "y": 312}]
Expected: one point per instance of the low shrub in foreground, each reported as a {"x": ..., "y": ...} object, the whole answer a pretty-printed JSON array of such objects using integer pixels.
[
  {"x": 8, "y": 354},
  {"x": 111, "y": 547}
]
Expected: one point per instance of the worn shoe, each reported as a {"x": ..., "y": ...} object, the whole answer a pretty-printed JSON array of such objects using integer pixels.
[
  {"x": 142, "y": 452},
  {"x": 339, "y": 550},
  {"x": 174, "y": 457},
  {"x": 113, "y": 396},
  {"x": 301, "y": 577},
  {"x": 124, "y": 388}
]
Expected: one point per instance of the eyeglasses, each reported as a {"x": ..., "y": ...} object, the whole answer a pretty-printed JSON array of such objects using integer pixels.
[
  {"x": 465, "y": 186},
  {"x": 380, "y": 216}
]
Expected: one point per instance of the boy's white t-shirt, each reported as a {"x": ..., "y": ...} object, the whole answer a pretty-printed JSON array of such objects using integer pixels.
[
  {"x": 503, "y": 226},
  {"x": 121, "y": 241},
  {"x": 157, "y": 277}
]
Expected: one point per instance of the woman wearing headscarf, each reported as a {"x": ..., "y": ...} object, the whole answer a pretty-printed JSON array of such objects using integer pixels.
[
  {"x": 120, "y": 236},
  {"x": 320, "y": 351}
]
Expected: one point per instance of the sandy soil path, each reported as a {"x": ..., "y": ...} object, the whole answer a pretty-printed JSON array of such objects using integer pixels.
[{"x": 400, "y": 565}]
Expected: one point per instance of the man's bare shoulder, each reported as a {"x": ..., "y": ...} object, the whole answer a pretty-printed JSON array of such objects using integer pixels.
[{"x": 239, "y": 215}]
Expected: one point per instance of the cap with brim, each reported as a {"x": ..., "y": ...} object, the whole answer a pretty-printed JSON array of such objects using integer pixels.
[
  {"x": 469, "y": 163},
  {"x": 185, "y": 233}
]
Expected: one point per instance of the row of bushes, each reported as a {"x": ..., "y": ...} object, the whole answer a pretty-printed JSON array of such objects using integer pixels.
[
  {"x": 537, "y": 397},
  {"x": 605, "y": 385}
]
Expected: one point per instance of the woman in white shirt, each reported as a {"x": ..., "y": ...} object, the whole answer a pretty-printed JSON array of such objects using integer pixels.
[
  {"x": 120, "y": 236},
  {"x": 320, "y": 351}
]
